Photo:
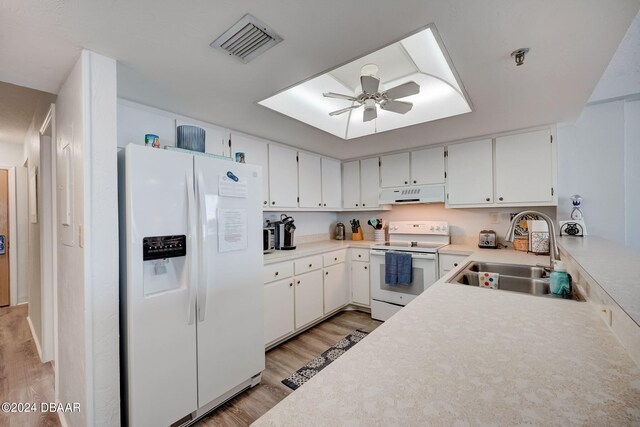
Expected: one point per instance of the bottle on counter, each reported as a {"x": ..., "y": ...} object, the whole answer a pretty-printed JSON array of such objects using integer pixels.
[{"x": 560, "y": 281}]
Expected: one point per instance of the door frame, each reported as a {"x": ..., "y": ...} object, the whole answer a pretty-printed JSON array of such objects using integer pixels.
[
  {"x": 13, "y": 234},
  {"x": 48, "y": 242}
]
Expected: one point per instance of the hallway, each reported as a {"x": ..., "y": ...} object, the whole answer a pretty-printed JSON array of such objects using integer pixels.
[{"x": 23, "y": 379}]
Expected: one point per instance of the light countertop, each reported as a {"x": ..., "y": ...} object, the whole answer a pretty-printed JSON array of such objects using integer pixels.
[
  {"x": 460, "y": 355},
  {"x": 614, "y": 267}
]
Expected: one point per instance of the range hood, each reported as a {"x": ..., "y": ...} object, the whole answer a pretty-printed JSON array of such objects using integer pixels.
[{"x": 413, "y": 194}]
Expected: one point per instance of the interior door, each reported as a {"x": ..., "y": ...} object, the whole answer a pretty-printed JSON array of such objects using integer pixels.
[
  {"x": 4, "y": 237},
  {"x": 230, "y": 292},
  {"x": 160, "y": 336}
]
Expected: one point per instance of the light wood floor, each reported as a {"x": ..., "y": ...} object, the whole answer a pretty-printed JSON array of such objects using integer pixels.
[
  {"x": 22, "y": 377},
  {"x": 281, "y": 362}
]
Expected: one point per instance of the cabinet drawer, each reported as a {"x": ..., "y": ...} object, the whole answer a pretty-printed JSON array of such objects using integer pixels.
[
  {"x": 334, "y": 258},
  {"x": 277, "y": 271},
  {"x": 360, "y": 255},
  {"x": 304, "y": 265}
]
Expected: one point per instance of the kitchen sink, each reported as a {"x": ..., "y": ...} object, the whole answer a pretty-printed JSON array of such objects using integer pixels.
[{"x": 513, "y": 277}]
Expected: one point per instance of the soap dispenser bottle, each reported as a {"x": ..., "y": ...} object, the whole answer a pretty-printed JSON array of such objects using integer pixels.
[{"x": 560, "y": 281}]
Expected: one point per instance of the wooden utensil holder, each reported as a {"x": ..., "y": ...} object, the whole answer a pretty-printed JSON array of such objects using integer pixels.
[{"x": 357, "y": 235}]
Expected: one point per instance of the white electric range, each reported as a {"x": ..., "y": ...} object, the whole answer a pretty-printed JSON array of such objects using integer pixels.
[{"x": 421, "y": 239}]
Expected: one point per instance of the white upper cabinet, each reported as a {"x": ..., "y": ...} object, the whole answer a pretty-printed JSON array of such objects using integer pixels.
[
  {"x": 395, "y": 170},
  {"x": 351, "y": 184},
  {"x": 331, "y": 183},
  {"x": 283, "y": 177},
  {"x": 256, "y": 152},
  {"x": 309, "y": 182},
  {"x": 215, "y": 141},
  {"x": 470, "y": 173},
  {"x": 369, "y": 182},
  {"x": 427, "y": 166},
  {"x": 524, "y": 168}
]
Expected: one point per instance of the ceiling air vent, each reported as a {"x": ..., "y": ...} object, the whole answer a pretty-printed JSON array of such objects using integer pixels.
[{"x": 248, "y": 38}]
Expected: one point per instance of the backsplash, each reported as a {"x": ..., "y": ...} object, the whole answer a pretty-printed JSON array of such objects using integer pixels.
[
  {"x": 310, "y": 226},
  {"x": 465, "y": 224}
]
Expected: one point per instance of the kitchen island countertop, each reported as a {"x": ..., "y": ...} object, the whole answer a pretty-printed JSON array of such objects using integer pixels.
[{"x": 460, "y": 355}]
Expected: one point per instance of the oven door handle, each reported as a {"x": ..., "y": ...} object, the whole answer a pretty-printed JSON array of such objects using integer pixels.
[{"x": 426, "y": 256}]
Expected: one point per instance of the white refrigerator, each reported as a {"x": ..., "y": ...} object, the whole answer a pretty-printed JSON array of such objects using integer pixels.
[{"x": 191, "y": 283}]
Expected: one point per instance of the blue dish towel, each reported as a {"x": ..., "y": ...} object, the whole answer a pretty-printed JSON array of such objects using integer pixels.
[{"x": 398, "y": 269}]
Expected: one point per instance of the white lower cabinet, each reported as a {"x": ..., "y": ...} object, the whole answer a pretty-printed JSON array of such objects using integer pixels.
[
  {"x": 278, "y": 309},
  {"x": 308, "y": 299},
  {"x": 360, "y": 283},
  {"x": 448, "y": 262},
  {"x": 336, "y": 291}
]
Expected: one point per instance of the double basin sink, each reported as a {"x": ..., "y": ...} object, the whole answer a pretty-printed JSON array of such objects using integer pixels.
[{"x": 526, "y": 279}]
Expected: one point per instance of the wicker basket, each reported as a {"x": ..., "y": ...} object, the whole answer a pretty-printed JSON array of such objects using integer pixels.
[{"x": 521, "y": 244}]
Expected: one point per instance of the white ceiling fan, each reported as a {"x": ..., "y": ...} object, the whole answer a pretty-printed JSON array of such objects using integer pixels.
[{"x": 370, "y": 96}]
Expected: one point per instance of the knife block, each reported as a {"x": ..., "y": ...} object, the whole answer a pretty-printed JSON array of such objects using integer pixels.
[{"x": 357, "y": 235}]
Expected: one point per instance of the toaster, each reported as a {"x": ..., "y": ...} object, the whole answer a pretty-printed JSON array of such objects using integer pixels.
[{"x": 488, "y": 239}]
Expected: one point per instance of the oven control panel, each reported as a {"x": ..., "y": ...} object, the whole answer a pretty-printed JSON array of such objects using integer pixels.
[
  {"x": 419, "y": 227},
  {"x": 161, "y": 247}
]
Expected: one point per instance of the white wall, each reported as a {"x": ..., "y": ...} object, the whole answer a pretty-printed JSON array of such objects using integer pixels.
[
  {"x": 590, "y": 163},
  {"x": 88, "y": 359},
  {"x": 599, "y": 158},
  {"x": 465, "y": 224},
  {"x": 11, "y": 155}
]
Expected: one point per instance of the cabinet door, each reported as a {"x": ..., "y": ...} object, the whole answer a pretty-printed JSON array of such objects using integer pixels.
[
  {"x": 283, "y": 177},
  {"x": 427, "y": 166},
  {"x": 309, "y": 183},
  {"x": 256, "y": 152},
  {"x": 336, "y": 289},
  {"x": 331, "y": 179},
  {"x": 370, "y": 182},
  {"x": 360, "y": 283},
  {"x": 351, "y": 184},
  {"x": 447, "y": 262},
  {"x": 308, "y": 297},
  {"x": 395, "y": 170},
  {"x": 278, "y": 309},
  {"x": 470, "y": 173},
  {"x": 215, "y": 141},
  {"x": 524, "y": 168}
]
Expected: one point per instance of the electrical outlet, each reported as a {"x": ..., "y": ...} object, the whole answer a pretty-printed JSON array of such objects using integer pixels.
[{"x": 494, "y": 217}]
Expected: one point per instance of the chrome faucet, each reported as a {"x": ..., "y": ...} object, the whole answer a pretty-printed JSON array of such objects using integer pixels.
[{"x": 554, "y": 254}]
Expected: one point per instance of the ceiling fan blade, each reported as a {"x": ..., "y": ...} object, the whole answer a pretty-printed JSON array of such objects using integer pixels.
[
  {"x": 338, "y": 96},
  {"x": 405, "y": 89},
  {"x": 369, "y": 84},
  {"x": 370, "y": 114},
  {"x": 397, "y": 106},
  {"x": 344, "y": 110}
]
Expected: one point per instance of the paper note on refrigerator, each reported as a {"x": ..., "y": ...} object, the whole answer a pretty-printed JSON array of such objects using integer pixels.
[
  {"x": 230, "y": 185},
  {"x": 232, "y": 230}
]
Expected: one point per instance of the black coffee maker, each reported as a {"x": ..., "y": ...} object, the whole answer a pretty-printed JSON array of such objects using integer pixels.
[{"x": 285, "y": 230}]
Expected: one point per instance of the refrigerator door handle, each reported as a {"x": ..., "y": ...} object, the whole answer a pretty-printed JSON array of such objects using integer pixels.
[
  {"x": 202, "y": 282},
  {"x": 192, "y": 272}
]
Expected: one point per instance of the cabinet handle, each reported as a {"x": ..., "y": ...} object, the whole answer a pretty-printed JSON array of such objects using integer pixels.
[
  {"x": 276, "y": 273},
  {"x": 487, "y": 199},
  {"x": 326, "y": 273},
  {"x": 335, "y": 259},
  {"x": 359, "y": 256},
  {"x": 455, "y": 264},
  {"x": 310, "y": 265},
  {"x": 365, "y": 267},
  {"x": 290, "y": 284},
  {"x": 319, "y": 204},
  {"x": 415, "y": 182},
  {"x": 364, "y": 204},
  {"x": 356, "y": 204},
  {"x": 500, "y": 198},
  {"x": 273, "y": 203},
  {"x": 406, "y": 182},
  {"x": 325, "y": 204},
  {"x": 298, "y": 282},
  {"x": 265, "y": 202}
]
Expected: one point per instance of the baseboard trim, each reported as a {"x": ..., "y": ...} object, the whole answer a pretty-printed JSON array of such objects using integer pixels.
[{"x": 35, "y": 338}]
